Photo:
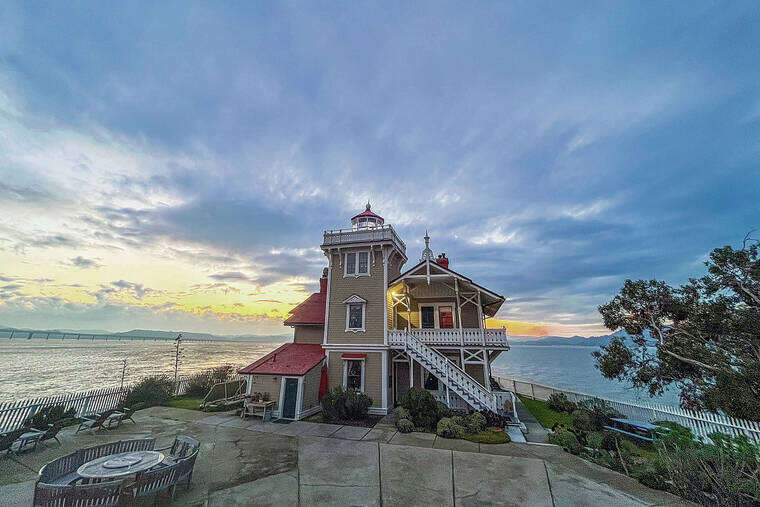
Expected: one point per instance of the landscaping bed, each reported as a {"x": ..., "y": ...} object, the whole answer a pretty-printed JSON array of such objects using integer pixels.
[{"x": 366, "y": 422}]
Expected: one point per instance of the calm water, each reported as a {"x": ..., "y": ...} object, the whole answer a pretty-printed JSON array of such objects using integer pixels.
[
  {"x": 570, "y": 367},
  {"x": 33, "y": 368}
]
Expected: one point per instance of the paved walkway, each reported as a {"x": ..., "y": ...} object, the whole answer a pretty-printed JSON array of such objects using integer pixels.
[
  {"x": 254, "y": 463},
  {"x": 535, "y": 432}
]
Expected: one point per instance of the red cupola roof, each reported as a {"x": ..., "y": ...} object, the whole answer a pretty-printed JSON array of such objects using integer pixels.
[{"x": 368, "y": 213}]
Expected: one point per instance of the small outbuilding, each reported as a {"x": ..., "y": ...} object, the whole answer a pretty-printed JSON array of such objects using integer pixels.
[{"x": 291, "y": 376}]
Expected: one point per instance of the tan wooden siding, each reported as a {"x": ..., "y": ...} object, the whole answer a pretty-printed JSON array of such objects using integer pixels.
[
  {"x": 310, "y": 396},
  {"x": 470, "y": 316},
  {"x": 269, "y": 384},
  {"x": 367, "y": 287},
  {"x": 308, "y": 334},
  {"x": 373, "y": 375}
]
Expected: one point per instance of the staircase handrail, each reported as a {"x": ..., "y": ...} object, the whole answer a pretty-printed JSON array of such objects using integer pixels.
[{"x": 483, "y": 395}]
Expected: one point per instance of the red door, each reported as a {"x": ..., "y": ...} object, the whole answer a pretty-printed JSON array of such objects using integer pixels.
[{"x": 401, "y": 380}]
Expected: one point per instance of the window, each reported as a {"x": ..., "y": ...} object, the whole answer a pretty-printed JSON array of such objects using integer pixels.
[
  {"x": 445, "y": 317},
  {"x": 354, "y": 375},
  {"x": 357, "y": 264},
  {"x": 355, "y": 313},
  {"x": 355, "y": 316},
  {"x": 427, "y": 317}
]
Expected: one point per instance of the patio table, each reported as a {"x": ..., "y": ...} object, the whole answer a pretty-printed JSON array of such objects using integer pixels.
[{"x": 120, "y": 465}]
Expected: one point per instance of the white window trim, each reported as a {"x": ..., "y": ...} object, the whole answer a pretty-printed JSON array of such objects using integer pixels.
[
  {"x": 356, "y": 300},
  {"x": 436, "y": 315},
  {"x": 356, "y": 274},
  {"x": 345, "y": 371}
]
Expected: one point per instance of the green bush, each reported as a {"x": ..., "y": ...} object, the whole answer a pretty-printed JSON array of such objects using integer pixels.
[
  {"x": 566, "y": 439},
  {"x": 600, "y": 412},
  {"x": 357, "y": 404},
  {"x": 475, "y": 423},
  {"x": 726, "y": 472},
  {"x": 422, "y": 407},
  {"x": 652, "y": 478},
  {"x": 595, "y": 440},
  {"x": 447, "y": 428},
  {"x": 609, "y": 441},
  {"x": 444, "y": 411},
  {"x": 201, "y": 383},
  {"x": 333, "y": 404},
  {"x": 559, "y": 403},
  {"x": 460, "y": 420},
  {"x": 402, "y": 413},
  {"x": 49, "y": 415},
  {"x": 150, "y": 391},
  {"x": 405, "y": 425},
  {"x": 583, "y": 420},
  {"x": 338, "y": 404}
]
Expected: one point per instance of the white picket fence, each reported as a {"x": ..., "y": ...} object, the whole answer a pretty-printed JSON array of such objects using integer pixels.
[
  {"x": 701, "y": 423},
  {"x": 14, "y": 413}
]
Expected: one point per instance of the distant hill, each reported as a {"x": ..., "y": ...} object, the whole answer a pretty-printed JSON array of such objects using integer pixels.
[
  {"x": 167, "y": 335},
  {"x": 591, "y": 341}
]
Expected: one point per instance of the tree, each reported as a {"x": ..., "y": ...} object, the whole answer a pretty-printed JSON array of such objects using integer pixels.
[{"x": 702, "y": 337}]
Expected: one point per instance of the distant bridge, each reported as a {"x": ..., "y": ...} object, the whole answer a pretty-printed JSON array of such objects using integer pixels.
[{"x": 24, "y": 334}]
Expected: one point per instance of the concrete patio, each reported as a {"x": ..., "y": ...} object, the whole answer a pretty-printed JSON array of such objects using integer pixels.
[{"x": 254, "y": 463}]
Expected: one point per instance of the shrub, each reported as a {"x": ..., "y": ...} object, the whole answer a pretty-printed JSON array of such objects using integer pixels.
[
  {"x": 565, "y": 439},
  {"x": 583, "y": 420},
  {"x": 150, "y": 391},
  {"x": 333, "y": 404},
  {"x": 357, "y": 404},
  {"x": 444, "y": 411},
  {"x": 402, "y": 413},
  {"x": 475, "y": 423},
  {"x": 595, "y": 440},
  {"x": 338, "y": 404},
  {"x": 49, "y": 415},
  {"x": 559, "y": 403},
  {"x": 600, "y": 412},
  {"x": 494, "y": 419},
  {"x": 461, "y": 420},
  {"x": 405, "y": 425},
  {"x": 422, "y": 407},
  {"x": 609, "y": 441},
  {"x": 725, "y": 472},
  {"x": 201, "y": 383},
  {"x": 652, "y": 478},
  {"x": 448, "y": 428}
]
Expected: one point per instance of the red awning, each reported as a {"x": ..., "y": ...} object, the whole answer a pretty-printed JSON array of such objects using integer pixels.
[{"x": 354, "y": 356}]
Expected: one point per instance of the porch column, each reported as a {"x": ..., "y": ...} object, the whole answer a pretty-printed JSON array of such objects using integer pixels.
[
  {"x": 411, "y": 372},
  {"x": 480, "y": 319},
  {"x": 459, "y": 312}
]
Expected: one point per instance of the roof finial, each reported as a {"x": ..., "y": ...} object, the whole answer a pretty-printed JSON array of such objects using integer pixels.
[
  {"x": 427, "y": 253},
  {"x": 369, "y": 208}
]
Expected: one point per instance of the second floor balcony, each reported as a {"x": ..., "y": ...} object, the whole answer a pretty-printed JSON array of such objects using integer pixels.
[
  {"x": 465, "y": 337},
  {"x": 358, "y": 236}
]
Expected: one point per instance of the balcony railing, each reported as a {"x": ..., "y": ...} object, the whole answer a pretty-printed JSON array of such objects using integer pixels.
[
  {"x": 456, "y": 337},
  {"x": 370, "y": 234}
]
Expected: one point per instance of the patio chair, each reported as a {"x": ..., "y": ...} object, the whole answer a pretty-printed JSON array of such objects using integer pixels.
[
  {"x": 52, "y": 432},
  {"x": 129, "y": 412},
  {"x": 113, "y": 420},
  {"x": 182, "y": 447},
  {"x": 93, "y": 422},
  {"x": 7, "y": 439},
  {"x": 102, "y": 494},
  {"x": 153, "y": 482},
  {"x": 51, "y": 495},
  {"x": 184, "y": 475}
]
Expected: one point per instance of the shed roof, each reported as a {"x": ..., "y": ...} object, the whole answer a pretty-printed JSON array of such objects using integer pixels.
[{"x": 288, "y": 359}]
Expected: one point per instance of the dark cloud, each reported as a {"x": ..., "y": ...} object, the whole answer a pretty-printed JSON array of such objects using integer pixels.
[{"x": 84, "y": 263}]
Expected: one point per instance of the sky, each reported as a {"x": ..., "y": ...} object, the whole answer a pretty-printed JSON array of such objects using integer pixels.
[{"x": 172, "y": 165}]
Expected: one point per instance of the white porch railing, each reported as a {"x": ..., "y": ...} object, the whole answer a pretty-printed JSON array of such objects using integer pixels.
[
  {"x": 347, "y": 236},
  {"x": 460, "y": 337},
  {"x": 450, "y": 374}
]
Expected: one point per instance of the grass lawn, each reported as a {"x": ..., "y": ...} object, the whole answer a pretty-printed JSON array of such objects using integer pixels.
[
  {"x": 546, "y": 417},
  {"x": 488, "y": 436},
  {"x": 187, "y": 402}
]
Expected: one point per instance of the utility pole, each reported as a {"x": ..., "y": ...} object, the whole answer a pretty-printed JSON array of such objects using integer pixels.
[
  {"x": 177, "y": 342},
  {"x": 123, "y": 372}
]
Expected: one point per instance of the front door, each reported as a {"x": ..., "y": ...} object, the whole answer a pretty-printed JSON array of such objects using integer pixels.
[
  {"x": 289, "y": 403},
  {"x": 402, "y": 380}
]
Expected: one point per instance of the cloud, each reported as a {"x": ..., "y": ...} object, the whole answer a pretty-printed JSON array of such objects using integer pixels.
[{"x": 84, "y": 263}]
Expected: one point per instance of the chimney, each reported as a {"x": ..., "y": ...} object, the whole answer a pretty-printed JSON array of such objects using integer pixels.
[
  {"x": 442, "y": 260},
  {"x": 323, "y": 282}
]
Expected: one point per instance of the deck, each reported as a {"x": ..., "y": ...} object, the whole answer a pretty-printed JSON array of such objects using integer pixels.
[{"x": 466, "y": 337}]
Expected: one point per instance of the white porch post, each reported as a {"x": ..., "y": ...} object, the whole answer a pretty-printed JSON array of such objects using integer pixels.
[
  {"x": 480, "y": 319},
  {"x": 486, "y": 370},
  {"x": 411, "y": 372},
  {"x": 459, "y": 312},
  {"x": 385, "y": 379}
]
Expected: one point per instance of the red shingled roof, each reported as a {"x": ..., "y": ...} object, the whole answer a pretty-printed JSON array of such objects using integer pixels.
[
  {"x": 311, "y": 311},
  {"x": 367, "y": 213},
  {"x": 289, "y": 359}
]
